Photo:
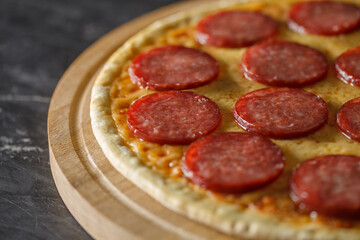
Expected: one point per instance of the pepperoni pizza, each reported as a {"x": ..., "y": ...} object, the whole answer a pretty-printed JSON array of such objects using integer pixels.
[{"x": 244, "y": 116}]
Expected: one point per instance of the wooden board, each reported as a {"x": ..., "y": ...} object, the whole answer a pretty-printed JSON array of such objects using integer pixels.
[{"x": 106, "y": 204}]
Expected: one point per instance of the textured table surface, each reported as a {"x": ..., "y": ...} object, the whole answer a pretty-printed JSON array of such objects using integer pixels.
[{"x": 38, "y": 41}]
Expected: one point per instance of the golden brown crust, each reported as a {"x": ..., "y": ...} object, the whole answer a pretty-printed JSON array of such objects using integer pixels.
[{"x": 252, "y": 215}]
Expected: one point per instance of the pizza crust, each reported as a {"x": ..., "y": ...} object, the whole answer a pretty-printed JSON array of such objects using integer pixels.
[{"x": 177, "y": 194}]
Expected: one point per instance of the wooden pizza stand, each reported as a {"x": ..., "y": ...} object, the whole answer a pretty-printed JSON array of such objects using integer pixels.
[{"x": 107, "y": 205}]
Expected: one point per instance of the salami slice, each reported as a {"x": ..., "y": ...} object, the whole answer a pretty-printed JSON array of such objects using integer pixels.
[
  {"x": 329, "y": 185},
  {"x": 173, "y": 68},
  {"x": 233, "y": 162},
  {"x": 173, "y": 117},
  {"x": 348, "y": 68},
  {"x": 283, "y": 64},
  {"x": 324, "y": 17},
  {"x": 348, "y": 119},
  {"x": 232, "y": 29},
  {"x": 281, "y": 112}
]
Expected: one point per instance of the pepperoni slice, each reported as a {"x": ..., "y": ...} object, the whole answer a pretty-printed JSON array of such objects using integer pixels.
[
  {"x": 348, "y": 68},
  {"x": 281, "y": 63},
  {"x": 233, "y": 162},
  {"x": 173, "y": 117},
  {"x": 329, "y": 185},
  {"x": 233, "y": 29},
  {"x": 348, "y": 119},
  {"x": 324, "y": 17},
  {"x": 173, "y": 68},
  {"x": 281, "y": 112}
]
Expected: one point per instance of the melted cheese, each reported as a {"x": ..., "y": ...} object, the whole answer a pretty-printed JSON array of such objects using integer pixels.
[{"x": 231, "y": 85}]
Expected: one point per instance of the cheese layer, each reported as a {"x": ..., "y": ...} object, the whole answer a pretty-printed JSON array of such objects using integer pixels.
[{"x": 273, "y": 199}]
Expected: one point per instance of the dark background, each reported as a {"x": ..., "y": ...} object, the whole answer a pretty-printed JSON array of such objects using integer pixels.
[{"x": 38, "y": 41}]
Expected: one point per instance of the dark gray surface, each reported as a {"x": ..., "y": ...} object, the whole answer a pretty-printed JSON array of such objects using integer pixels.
[{"x": 38, "y": 40}]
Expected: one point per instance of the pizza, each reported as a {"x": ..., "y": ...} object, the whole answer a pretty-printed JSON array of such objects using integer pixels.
[{"x": 242, "y": 115}]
